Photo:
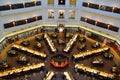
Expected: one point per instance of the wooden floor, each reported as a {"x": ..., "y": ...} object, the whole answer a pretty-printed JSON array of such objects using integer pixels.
[{"x": 39, "y": 75}]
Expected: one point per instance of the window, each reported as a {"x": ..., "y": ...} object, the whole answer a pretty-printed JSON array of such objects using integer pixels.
[
  {"x": 50, "y": 13},
  {"x": 61, "y": 14},
  {"x": 71, "y": 14},
  {"x": 61, "y": 2},
  {"x": 50, "y": 2},
  {"x": 72, "y": 2}
]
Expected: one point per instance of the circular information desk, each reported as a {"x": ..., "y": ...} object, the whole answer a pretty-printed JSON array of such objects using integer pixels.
[{"x": 59, "y": 61}]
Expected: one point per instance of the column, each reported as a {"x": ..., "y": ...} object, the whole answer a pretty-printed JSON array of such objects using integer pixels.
[
  {"x": 67, "y": 3},
  {"x": 2, "y": 27},
  {"x": 55, "y": 2},
  {"x": 55, "y": 14},
  {"x": 66, "y": 14}
]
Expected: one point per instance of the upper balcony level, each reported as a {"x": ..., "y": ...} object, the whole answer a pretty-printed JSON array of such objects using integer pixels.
[
  {"x": 111, "y": 11},
  {"x": 19, "y": 7},
  {"x": 61, "y": 3}
]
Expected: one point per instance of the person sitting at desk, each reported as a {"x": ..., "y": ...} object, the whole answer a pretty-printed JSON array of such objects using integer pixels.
[
  {"x": 23, "y": 60},
  {"x": 96, "y": 45},
  {"x": 39, "y": 45},
  {"x": 81, "y": 47},
  {"x": 60, "y": 41},
  {"x": 54, "y": 35},
  {"x": 12, "y": 52},
  {"x": 25, "y": 43},
  {"x": 97, "y": 61},
  {"x": 39, "y": 38},
  {"x": 82, "y": 39},
  {"x": 108, "y": 55},
  {"x": 4, "y": 65},
  {"x": 115, "y": 69}
]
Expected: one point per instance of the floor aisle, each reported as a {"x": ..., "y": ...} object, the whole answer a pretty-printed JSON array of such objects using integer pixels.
[{"x": 39, "y": 75}]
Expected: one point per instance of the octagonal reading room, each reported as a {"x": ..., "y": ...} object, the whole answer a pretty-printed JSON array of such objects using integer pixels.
[{"x": 59, "y": 40}]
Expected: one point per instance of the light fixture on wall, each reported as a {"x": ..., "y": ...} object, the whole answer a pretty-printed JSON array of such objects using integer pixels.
[
  {"x": 88, "y": 3},
  {"x": 61, "y": 1},
  {"x": 10, "y": 6},
  {"x": 85, "y": 19},
  {"x": 61, "y": 28},
  {"x": 35, "y": 3},
  {"x": 109, "y": 26},
  {"x": 23, "y": 4},
  {"x": 36, "y": 17},
  {"x": 26, "y": 20},
  {"x": 96, "y": 22},
  {"x": 13, "y": 23},
  {"x": 113, "y": 8}
]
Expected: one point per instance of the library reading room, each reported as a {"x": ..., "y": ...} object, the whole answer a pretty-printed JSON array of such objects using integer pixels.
[{"x": 60, "y": 40}]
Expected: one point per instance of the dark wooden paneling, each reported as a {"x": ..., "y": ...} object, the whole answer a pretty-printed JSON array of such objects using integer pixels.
[
  {"x": 20, "y": 5},
  {"x": 29, "y": 20},
  {"x": 113, "y": 28},
  {"x": 102, "y": 25},
  {"x": 91, "y": 21},
  {"x": 116, "y": 10},
  {"x": 20, "y": 22},
  {"x": 108, "y": 9},
  {"x": 17, "y": 6},
  {"x": 85, "y": 4},
  {"x": 8, "y": 25},
  {"x": 102, "y": 7},
  {"x": 83, "y": 19},
  {"x": 29, "y": 4},
  {"x": 39, "y": 17},
  {"x": 95, "y": 6},
  {"x": 5, "y": 7},
  {"x": 38, "y": 3}
]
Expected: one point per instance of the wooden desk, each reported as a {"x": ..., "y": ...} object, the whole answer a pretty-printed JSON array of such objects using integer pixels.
[
  {"x": 29, "y": 50},
  {"x": 84, "y": 54},
  {"x": 49, "y": 75},
  {"x": 18, "y": 70},
  {"x": 68, "y": 76},
  {"x": 95, "y": 71},
  {"x": 70, "y": 43},
  {"x": 50, "y": 43}
]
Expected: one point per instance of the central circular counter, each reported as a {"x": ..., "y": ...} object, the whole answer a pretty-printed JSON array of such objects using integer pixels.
[{"x": 59, "y": 61}]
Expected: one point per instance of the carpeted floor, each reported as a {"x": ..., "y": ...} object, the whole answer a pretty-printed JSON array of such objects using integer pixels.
[{"x": 39, "y": 75}]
